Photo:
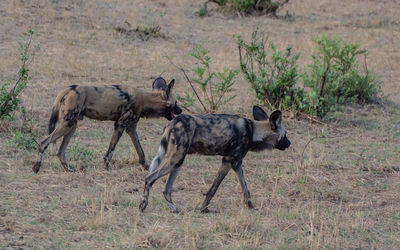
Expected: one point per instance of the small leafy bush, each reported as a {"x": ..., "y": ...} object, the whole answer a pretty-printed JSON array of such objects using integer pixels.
[
  {"x": 10, "y": 90},
  {"x": 364, "y": 88},
  {"x": 272, "y": 73},
  {"x": 214, "y": 86},
  {"x": 22, "y": 141},
  {"x": 334, "y": 77},
  {"x": 149, "y": 27}
]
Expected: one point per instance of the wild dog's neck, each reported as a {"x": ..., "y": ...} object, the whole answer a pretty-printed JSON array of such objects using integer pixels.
[
  {"x": 152, "y": 104},
  {"x": 263, "y": 136},
  {"x": 260, "y": 129}
]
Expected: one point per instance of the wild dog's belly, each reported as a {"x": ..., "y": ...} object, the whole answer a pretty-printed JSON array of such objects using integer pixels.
[
  {"x": 206, "y": 149},
  {"x": 97, "y": 114}
]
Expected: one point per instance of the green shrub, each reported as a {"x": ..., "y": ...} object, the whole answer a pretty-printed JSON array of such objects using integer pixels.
[
  {"x": 334, "y": 77},
  {"x": 9, "y": 91},
  {"x": 22, "y": 141},
  {"x": 243, "y": 5},
  {"x": 364, "y": 88},
  {"x": 272, "y": 74},
  {"x": 214, "y": 86}
]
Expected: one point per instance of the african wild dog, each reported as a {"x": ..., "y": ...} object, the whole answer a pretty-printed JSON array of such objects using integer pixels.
[
  {"x": 117, "y": 103},
  {"x": 227, "y": 135}
]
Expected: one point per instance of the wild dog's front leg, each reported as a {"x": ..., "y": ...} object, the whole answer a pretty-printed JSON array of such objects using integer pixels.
[
  {"x": 131, "y": 130},
  {"x": 118, "y": 131},
  {"x": 223, "y": 171},
  {"x": 237, "y": 167}
]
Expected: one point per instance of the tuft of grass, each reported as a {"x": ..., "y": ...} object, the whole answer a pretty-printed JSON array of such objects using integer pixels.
[
  {"x": 83, "y": 155},
  {"x": 22, "y": 140}
]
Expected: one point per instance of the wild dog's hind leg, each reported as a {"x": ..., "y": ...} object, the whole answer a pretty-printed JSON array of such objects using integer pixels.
[
  {"x": 237, "y": 167},
  {"x": 118, "y": 131},
  {"x": 62, "y": 129},
  {"x": 170, "y": 164},
  {"x": 63, "y": 147},
  {"x": 168, "y": 189},
  {"x": 150, "y": 179},
  {"x": 131, "y": 130},
  {"x": 222, "y": 172}
]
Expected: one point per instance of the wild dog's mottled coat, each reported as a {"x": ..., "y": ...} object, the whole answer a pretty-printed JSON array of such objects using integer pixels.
[
  {"x": 117, "y": 103},
  {"x": 227, "y": 135}
]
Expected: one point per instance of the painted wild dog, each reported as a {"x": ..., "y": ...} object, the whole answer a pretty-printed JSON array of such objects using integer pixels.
[
  {"x": 117, "y": 103},
  {"x": 214, "y": 134}
]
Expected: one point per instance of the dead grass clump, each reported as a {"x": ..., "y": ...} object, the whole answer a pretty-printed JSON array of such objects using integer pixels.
[
  {"x": 101, "y": 211},
  {"x": 142, "y": 33},
  {"x": 246, "y": 7}
]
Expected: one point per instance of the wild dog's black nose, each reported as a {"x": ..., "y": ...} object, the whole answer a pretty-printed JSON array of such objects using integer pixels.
[{"x": 283, "y": 144}]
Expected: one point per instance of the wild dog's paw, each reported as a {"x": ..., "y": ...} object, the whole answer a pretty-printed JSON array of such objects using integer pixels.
[
  {"x": 205, "y": 210},
  {"x": 145, "y": 165},
  {"x": 143, "y": 205},
  {"x": 173, "y": 208},
  {"x": 106, "y": 163},
  {"x": 250, "y": 205},
  {"x": 36, "y": 167},
  {"x": 68, "y": 169}
]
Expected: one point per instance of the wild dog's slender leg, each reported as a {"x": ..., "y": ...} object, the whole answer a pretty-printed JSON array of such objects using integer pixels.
[
  {"x": 62, "y": 129},
  {"x": 118, "y": 131},
  {"x": 237, "y": 167},
  {"x": 150, "y": 179},
  {"x": 222, "y": 172},
  {"x": 63, "y": 147},
  {"x": 170, "y": 164},
  {"x": 168, "y": 189},
  {"x": 131, "y": 130}
]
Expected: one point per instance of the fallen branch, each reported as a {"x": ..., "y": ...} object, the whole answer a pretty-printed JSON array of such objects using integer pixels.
[{"x": 307, "y": 117}]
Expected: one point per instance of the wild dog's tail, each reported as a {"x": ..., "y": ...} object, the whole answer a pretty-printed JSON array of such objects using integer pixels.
[
  {"x": 160, "y": 155},
  {"x": 56, "y": 108}
]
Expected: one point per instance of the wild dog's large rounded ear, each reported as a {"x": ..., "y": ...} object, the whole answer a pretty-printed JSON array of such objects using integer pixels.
[
  {"x": 169, "y": 88},
  {"x": 159, "y": 83},
  {"x": 259, "y": 114},
  {"x": 275, "y": 119}
]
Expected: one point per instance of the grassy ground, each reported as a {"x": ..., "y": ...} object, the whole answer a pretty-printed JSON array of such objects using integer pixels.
[{"x": 342, "y": 192}]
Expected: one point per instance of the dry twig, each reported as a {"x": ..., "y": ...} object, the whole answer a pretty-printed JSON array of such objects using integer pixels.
[{"x": 190, "y": 82}]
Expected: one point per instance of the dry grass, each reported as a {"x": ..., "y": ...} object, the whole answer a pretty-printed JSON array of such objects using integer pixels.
[{"x": 344, "y": 195}]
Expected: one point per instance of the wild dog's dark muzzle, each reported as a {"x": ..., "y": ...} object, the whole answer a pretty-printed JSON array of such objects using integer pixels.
[
  {"x": 177, "y": 110},
  {"x": 283, "y": 144},
  {"x": 171, "y": 112}
]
